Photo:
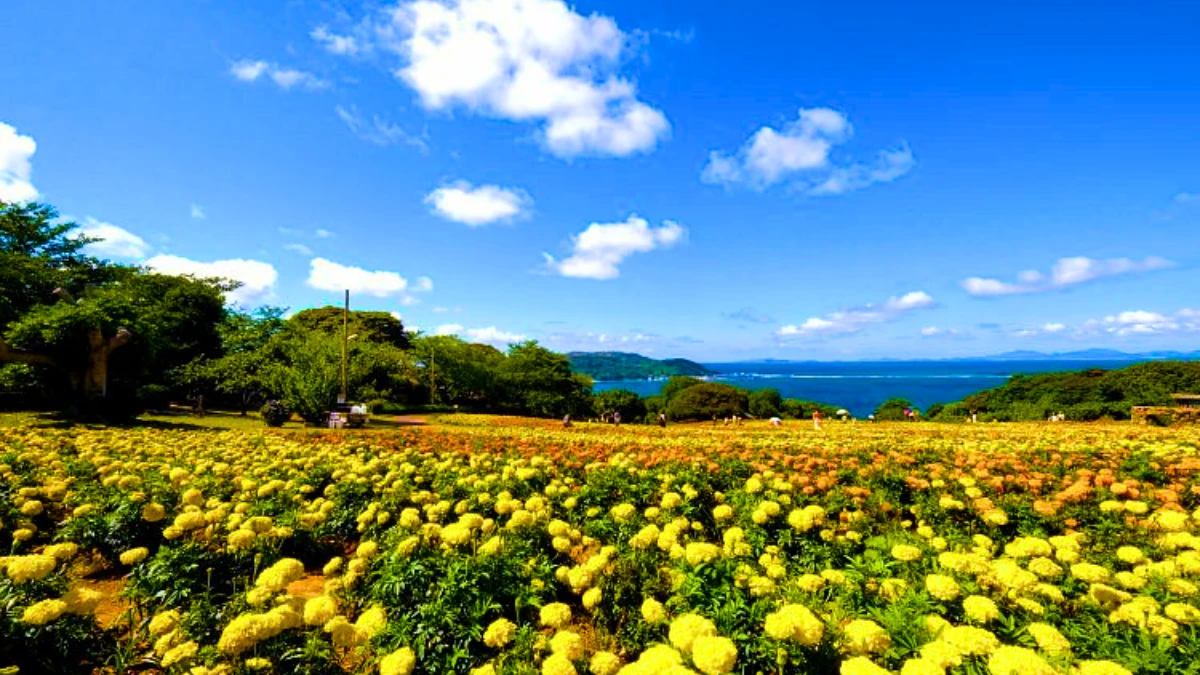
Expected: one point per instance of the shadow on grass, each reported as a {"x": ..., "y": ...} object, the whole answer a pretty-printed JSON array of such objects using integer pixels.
[{"x": 183, "y": 420}]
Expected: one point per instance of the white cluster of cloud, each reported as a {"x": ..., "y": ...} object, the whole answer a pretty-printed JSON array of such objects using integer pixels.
[
  {"x": 326, "y": 275},
  {"x": 257, "y": 278},
  {"x": 599, "y": 249},
  {"x": 1142, "y": 322},
  {"x": 522, "y": 60},
  {"x": 342, "y": 45},
  {"x": 197, "y": 212},
  {"x": 937, "y": 331},
  {"x": 1066, "y": 272},
  {"x": 16, "y": 170},
  {"x": 112, "y": 241},
  {"x": 248, "y": 70},
  {"x": 858, "y": 318},
  {"x": 800, "y": 153},
  {"x": 489, "y": 335},
  {"x": 475, "y": 206}
]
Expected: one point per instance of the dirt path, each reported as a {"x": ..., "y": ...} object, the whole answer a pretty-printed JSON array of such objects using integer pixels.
[
  {"x": 410, "y": 420},
  {"x": 110, "y": 609}
]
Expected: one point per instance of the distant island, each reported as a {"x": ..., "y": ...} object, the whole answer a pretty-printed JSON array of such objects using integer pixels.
[
  {"x": 1030, "y": 355},
  {"x": 607, "y": 366}
]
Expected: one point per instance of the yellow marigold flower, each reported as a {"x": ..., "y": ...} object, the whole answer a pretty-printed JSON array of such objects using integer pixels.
[
  {"x": 33, "y": 567},
  {"x": 190, "y": 520},
  {"x": 698, "y": 553},
  {"x": 32, "y": 508},
  {"x": 1048, "y": 638},
  {"x": 863, "y": 636},
  {"x": 1182, "y": 613},
  {"x": 1008, "y": 660},
  {"x": 906, "y": 553},
  {"x": 1028, "y": 547},
  {"x": 239, "y": 539},
  {"x": 43, "y": 612},
  {"x": 257, "y": 663},
  {"x": 343, "y": 633},
  {"x": 134, "y": 556},
  {"x": 372, "y": 622},
  {"x": 164, "y": 622},
  {"x": 714, "y": 655},
  {"x": 333, "y": 566},
  {"x": 591, "y": 598},
  {"x": 64, "y": 551},
  {"x": 1130, "y": 580},
  {"x": 861, "y": 665},
  {"x": 722, "y": 512},
  {"x": 995, "y": 517},
  {"x": 277, "y": 577},
  {"x": 499, "y": 633},
  {"x": 892, "y": 589},
  {"x": 555, "y": 615},
  {"x": 809, "y": 583},
  {"x": 485, "y": 669},
  {"x": 941, "y": 653},
  {"x": 604, "y": 663},
  {"x": 1107, "y": 595},
  {"x": 921, "y": 667},
  {"x": 1045, "y": 568},
  {"x": 1131, "y": 555},
  {"x": 969, "y": 640},
  {"x": 568, "y": 643},
  {"x": 179, "y": 653},
  {"x": 558, "y": 664},
  {"x": 319, "y": 610},
  {"x": 1101, "y": 668},
  {"x": 653, "y": 611},
  {"x": 686, "y": 628},
  {"x": 935, "y": 624},
  {"x": 82, "y": 600},
  {"x": 980, "y": 609},
  {"x": 1089, "y": 573},
  {"x": 400, "y": 662},
  {"x": 942, "y": 587}
]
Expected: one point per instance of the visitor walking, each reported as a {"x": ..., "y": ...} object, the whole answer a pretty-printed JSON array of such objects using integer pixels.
[
  {"x": 662, "y": 420},
  {"x": 566, "y": 421},
  {"x": 617, "y": 418},
  {"x": 817, "y": 420}
]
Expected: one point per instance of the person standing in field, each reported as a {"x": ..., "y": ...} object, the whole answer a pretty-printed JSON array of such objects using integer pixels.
[
  {"x": 662, "y": 420},
  {"x": 617, "y": 418},
  {"x": 817, "y": 420}
]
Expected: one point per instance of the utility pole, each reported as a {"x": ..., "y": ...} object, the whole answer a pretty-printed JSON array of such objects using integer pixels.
[{"x": 345, "y": 340}]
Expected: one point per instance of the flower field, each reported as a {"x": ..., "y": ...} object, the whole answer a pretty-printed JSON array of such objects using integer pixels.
[{"x": 503, "y": 546}]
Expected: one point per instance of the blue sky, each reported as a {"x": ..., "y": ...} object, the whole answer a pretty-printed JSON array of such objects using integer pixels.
[{"x": 716, "y": 181}]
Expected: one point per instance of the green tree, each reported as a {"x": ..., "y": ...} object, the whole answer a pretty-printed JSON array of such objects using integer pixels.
[
  {"x": 539, "y": 382},
  {"x": 892, "y": 410},
  {"x": 629, "y": 404},
  {"x": 376, "y": 327},
  {"x": 766, "y": 403},
  {"x": 458, "y": 372},
  {"x": 707, "y": 400},
  {"x": 677, "y": 384},
  {"x": 116, "y": 338},
  {"x": 309, "y": 382}
]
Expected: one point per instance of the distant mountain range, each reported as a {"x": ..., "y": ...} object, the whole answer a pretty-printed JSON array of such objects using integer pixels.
[
  {"x": 1030, "y": 355},
  {"x": 626, "y": 366}
]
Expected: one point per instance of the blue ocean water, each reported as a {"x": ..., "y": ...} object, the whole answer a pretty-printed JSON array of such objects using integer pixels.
[{"x": 860, "y": 386}]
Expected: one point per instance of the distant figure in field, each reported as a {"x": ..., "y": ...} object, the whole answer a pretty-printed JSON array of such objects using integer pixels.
[
  {"x": 973, "y": 417},
  {"x": 775, "y": 421},
  {"x": 566, "y": 421},
  {"x": 662, "y": 420},
  {"x": 617, "y": 418},
  {"x": 817, "y": 420},
  {"x": 871, "y": 418}
]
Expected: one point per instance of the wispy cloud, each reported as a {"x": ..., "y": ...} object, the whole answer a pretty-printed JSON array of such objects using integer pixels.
[
  {"x": 856, "y": 319},
  {"x": 1066, "y": 272},
  {"x": 248, "y": 70},
  {"x": 599, "y": 250},
  {"x": 1142, "y": 322},
  {"x": 113, "y": 241},
  {"x": 748, "y": 315},
  {"x": 800, "y": 154},
  {"x": 377, "y": 130},
  {"x": 298, "y": 248},
  {"x": 197, "y": 212}
]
